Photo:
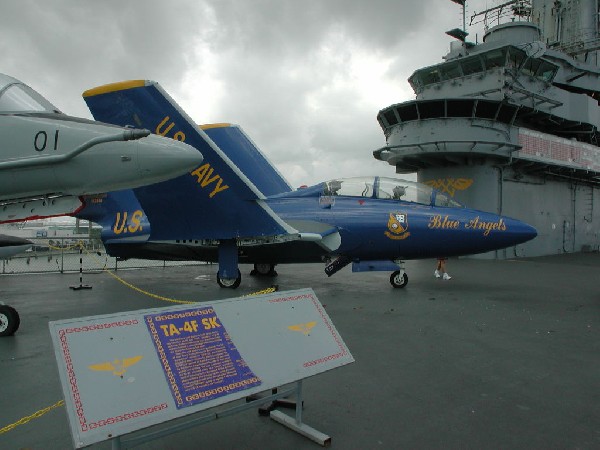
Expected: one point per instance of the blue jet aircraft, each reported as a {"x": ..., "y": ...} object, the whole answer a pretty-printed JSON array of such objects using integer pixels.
[{"x": 236, "y": 207}]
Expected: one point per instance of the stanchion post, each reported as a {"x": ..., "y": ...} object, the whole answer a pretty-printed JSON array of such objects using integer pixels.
[{"x": 81, "y": 285}]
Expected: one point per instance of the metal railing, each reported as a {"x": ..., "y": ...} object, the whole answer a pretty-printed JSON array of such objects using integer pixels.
[{"x": 63, "y": 255}]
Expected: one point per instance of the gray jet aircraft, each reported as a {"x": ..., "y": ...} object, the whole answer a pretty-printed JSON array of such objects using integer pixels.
[{"x": 49, "y": 159}]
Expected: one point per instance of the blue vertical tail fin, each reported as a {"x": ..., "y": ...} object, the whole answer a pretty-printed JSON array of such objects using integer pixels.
[
  {"x": 236, "y": 144},
  {"x": 217, "y": 200}
]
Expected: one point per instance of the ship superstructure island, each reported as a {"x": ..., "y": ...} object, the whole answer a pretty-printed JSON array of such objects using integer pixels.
[{"x": 510, "y": 125}]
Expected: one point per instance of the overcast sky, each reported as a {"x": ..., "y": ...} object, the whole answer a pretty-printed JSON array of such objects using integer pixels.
[{"x": 304, "y": 78}]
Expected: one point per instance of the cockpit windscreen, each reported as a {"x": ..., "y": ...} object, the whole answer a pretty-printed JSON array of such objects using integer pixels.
[
  {"x": 21, "y": 98},
  {"x": 388, "y": 189}
]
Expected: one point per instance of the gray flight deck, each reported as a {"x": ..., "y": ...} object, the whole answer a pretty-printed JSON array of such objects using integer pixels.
[{"x": 504, "y": 355}]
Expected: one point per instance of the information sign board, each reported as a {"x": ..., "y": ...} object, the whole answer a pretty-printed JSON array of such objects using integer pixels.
[{"x": 127, "y": 371}]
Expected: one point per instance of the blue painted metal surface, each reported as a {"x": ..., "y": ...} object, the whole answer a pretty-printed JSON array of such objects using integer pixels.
[
  {"x": 243, "y": 153},
  {"x": 215, "y": 200},
  {"x": 374, "y": 266}
]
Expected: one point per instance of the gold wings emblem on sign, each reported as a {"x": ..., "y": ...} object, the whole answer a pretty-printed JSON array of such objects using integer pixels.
[
  {"x": 450, "y": 185},
  {"x": 304, "y": 328},
  {"x": 118, "y": 367}
]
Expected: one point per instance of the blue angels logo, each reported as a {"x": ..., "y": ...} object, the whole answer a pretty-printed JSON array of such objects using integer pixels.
[{"x": 397, "y": 226}]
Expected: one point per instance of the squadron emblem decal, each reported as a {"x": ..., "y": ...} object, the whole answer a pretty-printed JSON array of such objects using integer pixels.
[{"x": 397, "y": 226}]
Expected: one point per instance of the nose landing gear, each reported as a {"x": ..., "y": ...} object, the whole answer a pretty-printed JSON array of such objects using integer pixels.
[{"x": 399, "y": 279}]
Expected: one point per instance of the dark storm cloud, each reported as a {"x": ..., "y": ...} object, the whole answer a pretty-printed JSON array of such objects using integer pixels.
[
  {"x": 281, "y": 27},
  {"x": 303, "y": 78},
  {"x": 286, "y": 66},
  {"x": 61, "y": 47}
]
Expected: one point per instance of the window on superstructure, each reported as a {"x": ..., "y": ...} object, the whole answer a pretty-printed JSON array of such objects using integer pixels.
[
  {"x": 430, "y": 76},
  {"x": 546, "y": 71},
  {"x": 506, "y": 113},
  {"x": 531, "y": 66},
  {"x": 432, "y": 109},
  {"x": 515, "y": 58},
  {"x": 495, "y": 58},
  {"x": 471, "y": 65},
  {"x": 416, "y": 82},
  {"x": 450, "y": 70},
  {"x": 390, "y": 117},
  {"x": 486, "y": 110},
  {"x": 460, "y": 108},
  {"x": 408, "y": 112}
]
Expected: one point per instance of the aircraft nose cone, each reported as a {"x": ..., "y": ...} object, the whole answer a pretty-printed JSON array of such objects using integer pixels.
[
  {"x": 520, "y": 232},
  {"x": 166, "y": 158},
  {"x": 13, "y": 241}
]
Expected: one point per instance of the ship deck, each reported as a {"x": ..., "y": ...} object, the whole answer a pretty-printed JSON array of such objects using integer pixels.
[{"x": 504, "y": 355}]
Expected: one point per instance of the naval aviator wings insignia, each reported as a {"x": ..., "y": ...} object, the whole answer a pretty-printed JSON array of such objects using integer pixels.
[{"x": 118, "y": 367}]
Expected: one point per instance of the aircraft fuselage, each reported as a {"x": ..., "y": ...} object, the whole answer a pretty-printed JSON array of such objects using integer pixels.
[
  {"x": 382, "y": 229},
  {"x": 45, "y": 153},
  {"x": 369, "y": 228}
]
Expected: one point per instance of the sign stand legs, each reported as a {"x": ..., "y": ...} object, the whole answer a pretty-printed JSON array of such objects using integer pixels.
[
  {"x": 265, "y": 410},
  {"x": 295, "y": 423}
]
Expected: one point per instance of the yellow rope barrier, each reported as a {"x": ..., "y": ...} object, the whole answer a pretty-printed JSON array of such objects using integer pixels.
[
  {"x": 160, "y": 297},
  {"x": 35, "y": 415},
  {"x": 268, "y": 290},
  {"x": 70, "y": 247},
  {"x": 149, "y": 294}
]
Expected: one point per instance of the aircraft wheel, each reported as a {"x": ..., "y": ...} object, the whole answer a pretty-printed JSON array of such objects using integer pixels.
[
  {"x": 264, "y": 270},
  {"x": 231, "y": 283},
  {"x": 9, "y": 320},
  {"x": 397, "y": 280}
]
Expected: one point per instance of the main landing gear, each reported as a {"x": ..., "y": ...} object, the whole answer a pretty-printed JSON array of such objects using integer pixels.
[
  {"x": 9, "y": 320},
  {"x": 228, "y": 265},
  {"x": 231, "y": 283},
  {"x": 264, "y": 270}
]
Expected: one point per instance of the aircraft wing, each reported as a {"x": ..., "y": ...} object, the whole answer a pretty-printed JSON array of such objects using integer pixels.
[
  {"x": 325, "y": 235},
  {"x": 216, "y": 200}
]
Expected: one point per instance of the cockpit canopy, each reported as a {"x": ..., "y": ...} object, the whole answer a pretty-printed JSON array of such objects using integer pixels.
[
  {"x": 387, "y": 189},
  {"x": 16, "y": 97}
]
